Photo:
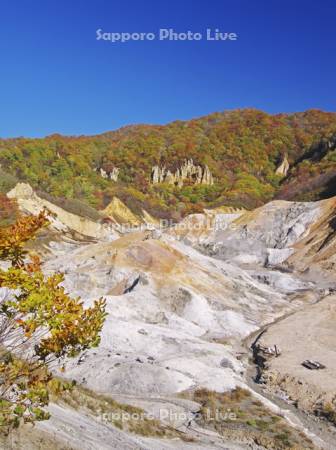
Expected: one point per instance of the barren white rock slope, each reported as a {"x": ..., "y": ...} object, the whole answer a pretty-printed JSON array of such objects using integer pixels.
[
  {"x": 164, "y": 329},
  {"x": 177, "y": 317}
]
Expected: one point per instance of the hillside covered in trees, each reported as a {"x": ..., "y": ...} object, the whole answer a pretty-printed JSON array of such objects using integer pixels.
[
  {"x": 313, "y": 176},
  {"x": 241, "y": 148}
]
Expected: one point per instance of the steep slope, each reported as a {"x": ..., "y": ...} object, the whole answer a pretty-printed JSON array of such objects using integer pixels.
[
  {"x": 234, "y": 154},
  {"x": 107, "y": 224},
  {"x": 316, "y": 251},
  {"x": 119, "y": 212},
  {"x": 313, "y": 176},
  {"x": 291, "y": 247},
  {"x": 178, "y": 320},
  {"x": 292, "y": 236},
  {"x": 61, "y": 220}
]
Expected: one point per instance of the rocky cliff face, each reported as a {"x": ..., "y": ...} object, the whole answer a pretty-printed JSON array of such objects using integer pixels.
[
  {"x": 110, "y": 223},
  {"x": 263, "y": 236},
  {"x": 298, "y": 237},
  {"x": 30, "y": 203},
  {"x": 283, "y": 167},
  {"x": 188, "y": 171},
  {"x": 118, "y": 211},
  {"x": 111, "y": 175}
]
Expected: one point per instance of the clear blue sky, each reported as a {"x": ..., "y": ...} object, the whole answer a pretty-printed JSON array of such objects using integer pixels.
[{"x": 56, "y": 77}]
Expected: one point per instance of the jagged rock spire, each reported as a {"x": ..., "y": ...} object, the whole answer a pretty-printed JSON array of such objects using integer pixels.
[
  {"x": 283, "y": 167},
  {"x": 187, "y": 171}
]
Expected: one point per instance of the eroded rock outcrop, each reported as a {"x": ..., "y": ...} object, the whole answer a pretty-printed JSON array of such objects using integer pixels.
[
  {"x": 162, "y": 299},
  {"x": 265, "y": 235},
  {"x": 187, "y": 172},
  {"x": 117, "y": 210},
  {"x": 108, "y": 174},
  {"x": 283, "y": 167},
  {"x": 29, "y": 202},
  {"x": 295, "y": 235}
]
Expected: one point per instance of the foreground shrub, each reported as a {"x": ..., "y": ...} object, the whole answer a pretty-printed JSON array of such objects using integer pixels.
[{"x": 39, "y": 324}]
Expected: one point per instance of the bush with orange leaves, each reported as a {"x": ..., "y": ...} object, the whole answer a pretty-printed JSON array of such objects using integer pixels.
[
  {"x": 8, "y": 210},
  {"x": 39, "y": 324}
]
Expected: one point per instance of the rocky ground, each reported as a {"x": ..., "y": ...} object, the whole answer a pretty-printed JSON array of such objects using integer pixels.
[
  {"x": 309, "y": 334},
  {"x": 181, "y": 304}
]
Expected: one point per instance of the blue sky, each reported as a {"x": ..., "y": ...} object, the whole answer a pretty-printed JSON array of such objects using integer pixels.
[{"x": 55, "y": 77}]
